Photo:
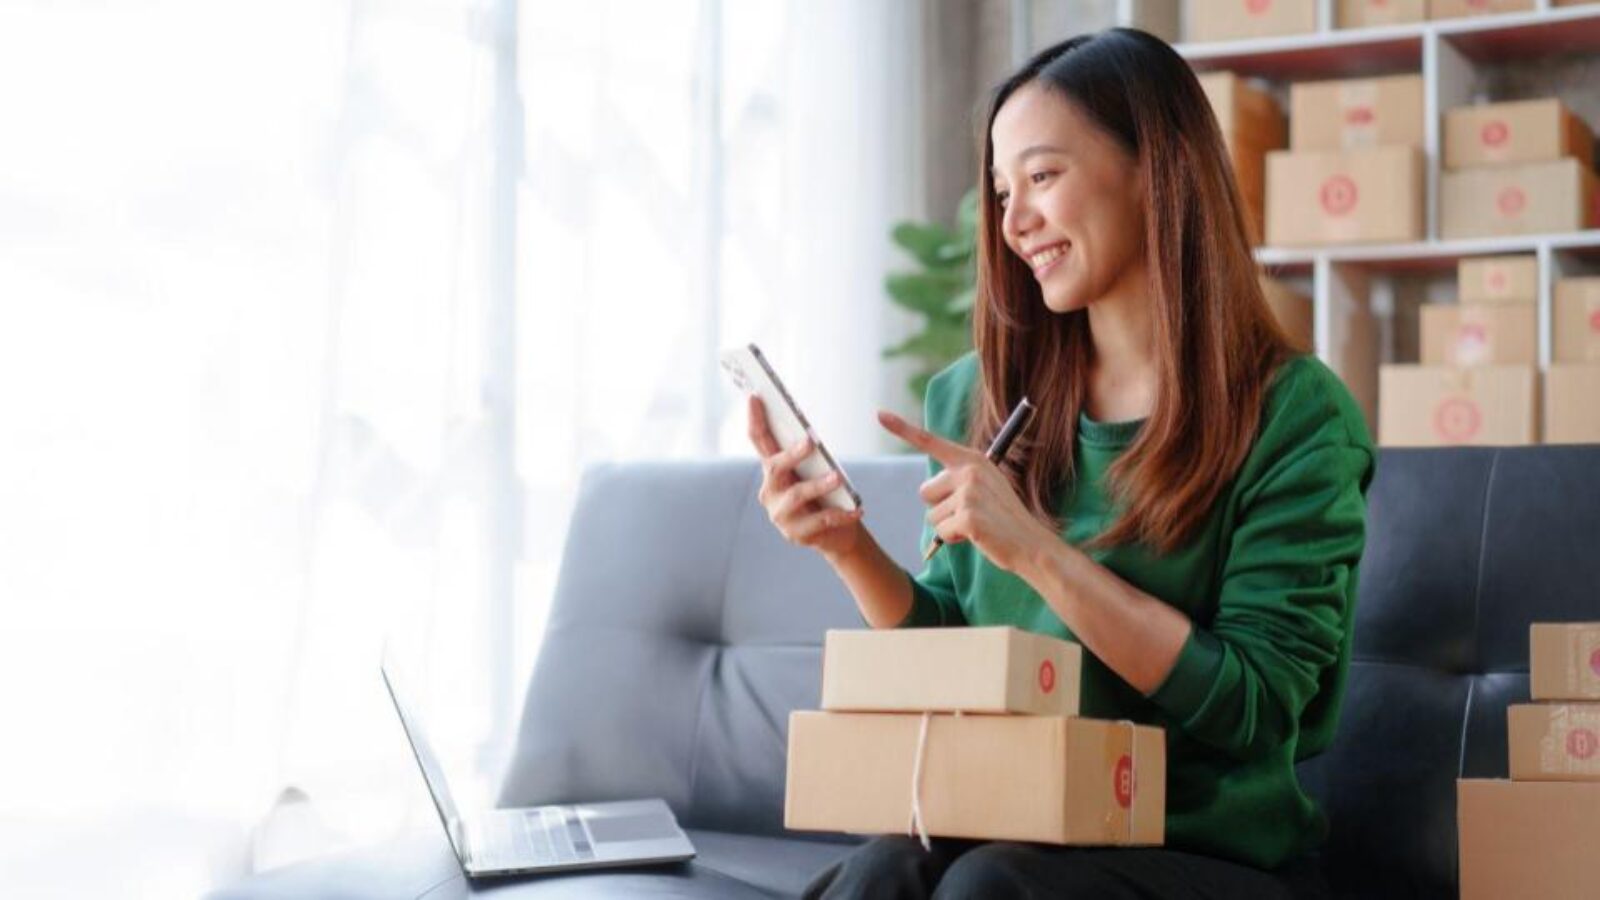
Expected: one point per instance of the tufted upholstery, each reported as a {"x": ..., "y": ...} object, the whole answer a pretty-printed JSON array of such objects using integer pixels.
[{"x": 684, "y": 630}]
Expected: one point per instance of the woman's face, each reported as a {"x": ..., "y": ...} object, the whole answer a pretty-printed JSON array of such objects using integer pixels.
[{"x": 1071, "y": 197}]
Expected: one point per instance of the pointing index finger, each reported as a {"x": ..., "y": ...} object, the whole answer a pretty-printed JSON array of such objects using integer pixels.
[{"x": 948, "y": 453}]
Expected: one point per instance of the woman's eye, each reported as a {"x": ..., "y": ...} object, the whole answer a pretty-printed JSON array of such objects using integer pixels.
[{"x": 1039, "y": 177}]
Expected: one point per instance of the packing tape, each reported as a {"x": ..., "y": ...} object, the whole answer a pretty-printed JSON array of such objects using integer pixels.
[{"x": 1133, "y": 774}]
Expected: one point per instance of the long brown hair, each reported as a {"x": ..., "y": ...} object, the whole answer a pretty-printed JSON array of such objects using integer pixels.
[{"x": 1218, "y": 343}]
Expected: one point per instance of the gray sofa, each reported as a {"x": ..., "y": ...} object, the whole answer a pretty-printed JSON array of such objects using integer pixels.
[{"x": 684, "y": 630}]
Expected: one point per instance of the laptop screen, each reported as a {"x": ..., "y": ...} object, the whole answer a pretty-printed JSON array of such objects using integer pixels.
[{"x": 432, "y": 772}]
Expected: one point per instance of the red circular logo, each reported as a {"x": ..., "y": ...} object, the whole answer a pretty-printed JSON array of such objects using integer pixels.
[
  {"x": 1359, "y": 115},
  {"x": 1494, "y": 134},
  {"x": 1472, "y": 343},
  {"x": 1047, "y": 676},
  {"x": 1257, "y": 7},
  {"x": 1338, "y": 195},
  {"x": 1496, "y": 279},
  {"x": 1457, "y": 419},
  {"x": 1123, "y": 776},
  {"x": 1594, "y": 321},
  {"x": 1594, "y": 662},
  {"x": 1511, "y": 201},
  {"x": 1582, "y": 743}
]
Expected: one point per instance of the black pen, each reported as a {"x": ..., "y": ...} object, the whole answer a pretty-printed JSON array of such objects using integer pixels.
[{"x": 997, "y": 451}]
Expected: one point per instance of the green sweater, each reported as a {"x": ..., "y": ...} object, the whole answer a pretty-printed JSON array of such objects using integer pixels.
[{"x": 1269, "y": 582}]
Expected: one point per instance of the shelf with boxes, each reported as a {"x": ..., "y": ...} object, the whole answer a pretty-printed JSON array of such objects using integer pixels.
[{"x": 1381, "y": 154}]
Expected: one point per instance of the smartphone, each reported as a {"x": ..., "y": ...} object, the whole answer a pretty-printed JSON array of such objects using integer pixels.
[{"x": 750, "y": 372}]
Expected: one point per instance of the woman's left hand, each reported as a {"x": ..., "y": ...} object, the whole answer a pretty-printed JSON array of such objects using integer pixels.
[{"x": 972, "y": 500}]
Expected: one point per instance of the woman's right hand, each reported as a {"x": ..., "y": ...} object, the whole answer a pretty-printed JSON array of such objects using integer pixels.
[{"x": 793, "y": 504}]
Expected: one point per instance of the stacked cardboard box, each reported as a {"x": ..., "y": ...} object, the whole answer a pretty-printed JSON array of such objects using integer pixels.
[
  {"x": 1368, "y": 13},
  {"x": 1525, "y": 167},
  {"x": 1225, "y": 20},
  {"x": 1451, "y": 9},
  {"x": 1477, "y": 382},
  {"x": 1571, "y": 412},
  {"x": 1353, "y": 172},
  {"x": 971, "y": 733},
  {"x": 1251, "y": 125},
  {"x": 1534, "y": 835},
  {"x": 1293, "y": 311}
]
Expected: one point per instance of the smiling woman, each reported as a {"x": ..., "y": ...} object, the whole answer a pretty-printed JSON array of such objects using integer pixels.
[{"x": 1188, "y": 503}]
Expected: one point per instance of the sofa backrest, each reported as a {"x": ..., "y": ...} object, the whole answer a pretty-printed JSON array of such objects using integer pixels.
[{"x": 684, "y": 630}]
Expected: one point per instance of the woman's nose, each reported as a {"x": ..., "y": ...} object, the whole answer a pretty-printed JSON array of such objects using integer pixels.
[{"x": 1019, "y": 218}]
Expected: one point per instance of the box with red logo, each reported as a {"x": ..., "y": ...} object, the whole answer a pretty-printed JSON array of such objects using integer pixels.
[
  {"x": 1554, "y": 741},
  {"x": 1442, "y": 406},
  {"x": 1577, "y": 320},
  {"x": 1533, "y": 839},
  {"x": 1053, "y": 779},
  {"x": 1524, "y": 131},
  {"x": 1351, "y": 113},
  {"x": 988, "y": 670},
  {"x": 1226, "y": 20},
  {"x": 1451, "y": 9},
  {"x": 1564, "y": 661},
  {"x": 1460, "y": 335},
  {"x": 1571, "y": 413},
  {"x": 1353, "y": 196},
  {"x": 1535, "y": 198},
  {"x": 1370, "y": 13},
  {"x": 1498, "y": 279}
]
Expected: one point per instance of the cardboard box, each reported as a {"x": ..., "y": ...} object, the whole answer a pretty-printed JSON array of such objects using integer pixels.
[
  {"x": 1352, "y": 113},
  {"x": 1510, "y": 200},
  {"x": 1564, "y": 661},
  {"x": 1354, "y": 196},
  {"x": 1453, "y": 9},
  {"x": 1244, "y": 112},
  {"x": 1053, "y": 779},
  {"x": 992, "y": 670},
  {"x": 1454, "y": 335},
  {"x": 1525, "y": 131},
  {"x": 1572, "y": 403},
  {"x": 1293, "y": 311},
  {"x": 1442, "y": 406},
  {"x": 1554, "y": 741},
  {"x": 1498, "y": 279},
  {"x": 1576, "y": 325},
  {"x": 1527, "y": 839},
  {"x": 1251, "y": 125},
  {"x": 1370, "y": 13},
  {"x": 1226, "y": 20}
]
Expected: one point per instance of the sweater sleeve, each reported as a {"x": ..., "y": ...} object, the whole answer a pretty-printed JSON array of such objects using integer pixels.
[
  {"x": 934, "y": 602},
  {"x": 1286, "y": 597}
]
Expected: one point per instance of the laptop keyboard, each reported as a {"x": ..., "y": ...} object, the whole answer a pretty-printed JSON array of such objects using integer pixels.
[{"x": 537, "y": 837}]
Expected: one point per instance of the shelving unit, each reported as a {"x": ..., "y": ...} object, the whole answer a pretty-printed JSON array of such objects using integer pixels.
[{"x": 1353, "y": 287}]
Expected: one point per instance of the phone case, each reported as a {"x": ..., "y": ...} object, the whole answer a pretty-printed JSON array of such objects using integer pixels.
[{"x": 750, "y": 372}]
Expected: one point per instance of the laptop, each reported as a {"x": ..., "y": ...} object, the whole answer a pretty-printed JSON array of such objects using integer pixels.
[{"x": 544, "y": 838}]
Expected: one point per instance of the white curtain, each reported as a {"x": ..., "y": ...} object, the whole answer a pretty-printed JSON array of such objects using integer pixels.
[{"x": 312, "y": 313}]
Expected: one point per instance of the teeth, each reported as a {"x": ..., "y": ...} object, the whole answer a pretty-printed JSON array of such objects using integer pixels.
[{"x": 1047, "y": 256}]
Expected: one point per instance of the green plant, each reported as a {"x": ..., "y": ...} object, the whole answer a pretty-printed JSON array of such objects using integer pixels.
[{"x": 942, "y": 291}]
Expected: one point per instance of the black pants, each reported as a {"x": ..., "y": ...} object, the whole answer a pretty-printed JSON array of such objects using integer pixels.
[{"x": 895, "y": 867}]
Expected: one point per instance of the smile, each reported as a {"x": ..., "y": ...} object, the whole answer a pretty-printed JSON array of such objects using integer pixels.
[{"x": 1045, "y": 260}]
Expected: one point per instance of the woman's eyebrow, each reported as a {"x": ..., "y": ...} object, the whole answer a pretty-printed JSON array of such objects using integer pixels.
[{"x": 1035, "y": 150}]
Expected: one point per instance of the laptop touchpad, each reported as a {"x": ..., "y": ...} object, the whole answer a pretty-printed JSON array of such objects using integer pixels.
[{"x": 646, "y": 826}]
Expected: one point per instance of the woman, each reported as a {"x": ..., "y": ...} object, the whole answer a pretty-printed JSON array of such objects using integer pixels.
[{"x": 1188, "y": 503}]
